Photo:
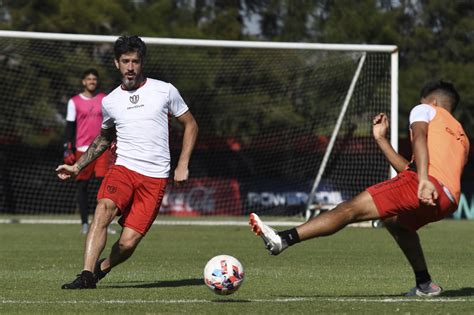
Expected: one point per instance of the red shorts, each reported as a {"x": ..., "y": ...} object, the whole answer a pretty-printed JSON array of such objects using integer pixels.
[
  {"x": 97, "y": 168},
  {"x": 399, "y": 197},
  {"x": 138, "y": 197}
]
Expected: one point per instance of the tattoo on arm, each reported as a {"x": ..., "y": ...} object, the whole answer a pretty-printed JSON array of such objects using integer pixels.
[{"x": 97, "y": 147}]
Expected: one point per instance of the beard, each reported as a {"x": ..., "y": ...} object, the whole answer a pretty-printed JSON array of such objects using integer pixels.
[
  {"x": 129, "y": 84},
  {"x": 91, "y": 88}
]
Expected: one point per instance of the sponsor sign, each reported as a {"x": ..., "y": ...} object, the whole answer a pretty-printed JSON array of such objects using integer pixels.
[
  {"x": 280, "y": 197},
  {"x": 203, "y": 196},
  {"x": 465, "y": 208}
]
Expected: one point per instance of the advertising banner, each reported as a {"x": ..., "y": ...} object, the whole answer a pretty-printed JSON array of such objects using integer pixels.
[
  {"x": 203, "y": 196},
  {"x": 466, "y": 202}
]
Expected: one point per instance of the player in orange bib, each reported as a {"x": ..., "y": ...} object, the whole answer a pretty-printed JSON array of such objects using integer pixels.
[{"x": 425, "y": 190}]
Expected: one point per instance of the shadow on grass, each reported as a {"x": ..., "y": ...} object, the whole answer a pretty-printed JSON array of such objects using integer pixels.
[
  {"x": 158, "y": 284},
  {"x": 459, "y": 292},
  {"x": 231, "y": 301},
  {"x": 362, "y": 296},
  {"x": 463, "y": 292}
]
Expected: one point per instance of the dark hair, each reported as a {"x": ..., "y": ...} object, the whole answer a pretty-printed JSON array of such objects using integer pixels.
[
  {"x": 126, "y": 44},
  {"x": 90, "y": 71},
  {"x": 447, "y": 89}
]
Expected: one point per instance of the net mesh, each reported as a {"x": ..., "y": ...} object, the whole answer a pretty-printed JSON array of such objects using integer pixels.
[{"x": 265, "y": 118}]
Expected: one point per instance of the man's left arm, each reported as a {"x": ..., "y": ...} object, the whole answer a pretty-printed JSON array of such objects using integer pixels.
[
  {"x": 181, "y": 172},
  {"x": 427, "y": 193}
]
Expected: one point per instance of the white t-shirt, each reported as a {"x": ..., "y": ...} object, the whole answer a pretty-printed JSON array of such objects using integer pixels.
[
  {"x": 141, "y": 120},
  {"x": 71, "y": 108},
  {"x": 422, "y": 112}
]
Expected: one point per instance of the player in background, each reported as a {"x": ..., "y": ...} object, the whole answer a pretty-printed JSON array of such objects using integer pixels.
[
  {"x": 425, "y": 190},
  {"x": 83, "y": 122},
  {"x": 136, "y": 115}
]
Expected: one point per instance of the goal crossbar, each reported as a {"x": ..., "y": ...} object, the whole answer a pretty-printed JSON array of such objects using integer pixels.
[{"x": 203, "y": 42}]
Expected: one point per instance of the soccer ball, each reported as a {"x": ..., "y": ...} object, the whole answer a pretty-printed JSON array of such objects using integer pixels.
[{"x": 223, "y": 274}]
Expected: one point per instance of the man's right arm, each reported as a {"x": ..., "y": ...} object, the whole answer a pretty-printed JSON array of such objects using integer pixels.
[
  {"x": 70, "y": 136},
  {"x": 69, "y": 143},
  {"x": 380, "y": 127},
  {"x": 97, "y": 147},
  {"x": 70, "y": 132}
]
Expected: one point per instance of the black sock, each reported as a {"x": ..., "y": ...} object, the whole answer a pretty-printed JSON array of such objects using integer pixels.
[
  {"x": 100, "y": 273},
  {"x": 82, "y": 200},
  {"x": 422, "y": 277},
  {"x": 98, "y": 270},
  {"x": 290, "y": 236},
  {"x": 88, "y": 275}
]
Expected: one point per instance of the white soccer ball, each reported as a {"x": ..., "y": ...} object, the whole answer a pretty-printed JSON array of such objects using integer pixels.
[{"x": 223, "y": 274}]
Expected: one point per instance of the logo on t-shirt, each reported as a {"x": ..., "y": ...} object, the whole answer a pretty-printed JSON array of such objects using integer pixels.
[
  {"x": 459, "y": 135},
  {"x": 134, "y": 99}
]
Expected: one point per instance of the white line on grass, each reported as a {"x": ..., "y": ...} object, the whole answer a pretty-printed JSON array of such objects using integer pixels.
[
  {"x": 277, "y": 300},
  {"x": 172, "y": 222}
]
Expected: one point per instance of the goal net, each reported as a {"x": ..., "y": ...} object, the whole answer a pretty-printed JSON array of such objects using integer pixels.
[{"x": 283, "y": 127}]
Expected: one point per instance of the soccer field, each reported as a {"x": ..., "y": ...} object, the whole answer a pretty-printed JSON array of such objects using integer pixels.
[{"x": 359, "y": 270}]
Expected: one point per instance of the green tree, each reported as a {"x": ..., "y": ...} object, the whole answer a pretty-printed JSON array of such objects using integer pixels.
[
  {"x": 69, "y": 16},
  {"x": 438, "y": 42},
  {"x": 435, "y": 39}
]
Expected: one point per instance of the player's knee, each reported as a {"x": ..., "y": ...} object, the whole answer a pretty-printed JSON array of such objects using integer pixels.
[
  {"x": 105, "y": 205},
  {"x": 362, "y": 208},
  {"x": 104, "y": 212},
  {"x": 351, "y": 211},
  {"x": 128, "y": 244}
]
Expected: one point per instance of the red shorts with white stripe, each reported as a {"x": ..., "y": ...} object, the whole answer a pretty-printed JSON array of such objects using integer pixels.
[
  {"x": 138, "y": 197},
  {"x": 399, "y": 197}
]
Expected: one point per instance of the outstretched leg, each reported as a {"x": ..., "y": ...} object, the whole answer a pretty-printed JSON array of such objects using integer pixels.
[{"x": 360, "y": 208}]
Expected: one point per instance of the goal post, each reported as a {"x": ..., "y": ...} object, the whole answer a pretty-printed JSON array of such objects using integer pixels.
[
  {"x": 282, "y": 125},
  {"x": 315, "y": 206}
]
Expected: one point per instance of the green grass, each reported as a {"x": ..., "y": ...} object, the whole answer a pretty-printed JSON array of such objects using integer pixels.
[{"x": 358, "y": 270}]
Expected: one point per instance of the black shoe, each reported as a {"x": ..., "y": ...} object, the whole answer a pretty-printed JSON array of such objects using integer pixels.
[
  {"x": 84, "y": 280},
  {"x": 98, "y": 273}
]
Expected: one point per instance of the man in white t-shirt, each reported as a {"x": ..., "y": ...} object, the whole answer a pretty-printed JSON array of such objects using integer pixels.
[{"x": 136, "y": 114}]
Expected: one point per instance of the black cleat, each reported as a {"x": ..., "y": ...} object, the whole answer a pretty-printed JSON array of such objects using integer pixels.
[
  {"x": 98, "y": 273},
  {"x": 84, "y": 280}
]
